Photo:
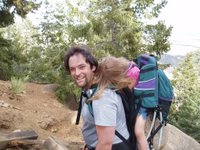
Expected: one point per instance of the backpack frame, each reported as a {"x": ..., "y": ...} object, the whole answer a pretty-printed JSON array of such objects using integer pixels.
[{"x": 153, "y": 92}]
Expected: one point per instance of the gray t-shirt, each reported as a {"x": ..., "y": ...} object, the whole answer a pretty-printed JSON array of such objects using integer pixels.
[{"x": 107, "y": 111}]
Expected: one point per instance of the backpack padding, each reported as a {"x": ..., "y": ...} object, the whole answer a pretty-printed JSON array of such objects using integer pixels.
[
  {"x": 145, "y": 59},
  {"x": 130, "y": 113},
  {"x": 165, "y": 87},
  {"x": 128, "y": 104},
  {"x": 146, "y": 89},
  {"x": 165, "y": 94}
]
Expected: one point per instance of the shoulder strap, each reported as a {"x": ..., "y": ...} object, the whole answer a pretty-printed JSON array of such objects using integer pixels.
[
  {"x": 90, "y": 103},
  {"x": 128, "y": 104},
  {"x": 123, "y": 139},
  {"x": 84, "y": 94},
  {"x": 79, "y": 108},
  {"x": 126, "y": 95}
]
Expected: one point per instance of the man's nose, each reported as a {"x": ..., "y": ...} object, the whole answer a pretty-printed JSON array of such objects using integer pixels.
[{"x": 77, "y": 72}]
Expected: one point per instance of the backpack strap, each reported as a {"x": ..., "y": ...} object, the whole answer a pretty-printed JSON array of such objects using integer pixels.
[
  {"x": 145, "y": 95},
  {"x": 79, "y": 108},
  {"x": 84, "y": 94},
  {"x": 148, "y": 69},
  {"x": 90, "y": 103},
  {"x": 122, "y": 95},
  {"x": 116, "y": 132},
  {"x": 123, "y": 139},
  {"x": 128, "y": 104}
]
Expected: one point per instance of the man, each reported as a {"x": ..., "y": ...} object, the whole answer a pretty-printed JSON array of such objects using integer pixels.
[{"x": 108, "y": 113}]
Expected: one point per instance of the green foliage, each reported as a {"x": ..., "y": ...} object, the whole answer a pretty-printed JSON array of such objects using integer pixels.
[
  {"x": 11, "y": 52},
  {"x": 12, "y": 59},
  {"x": 156, "y": 34},
  {"x": 148, "y": 8},
  {"x": 6, "y": 18},
  {"x": 4, "y": 58},
  {"x": 185, "y": 112},
  {"x": 10, "y": 7},
  {"x": 67, "y": 87},
  {"x": 116, "y": 28},
  {"x": 18, "y": 84},
  {"x": 108, "y": 27},
  {"x": 46, "y": 57}
]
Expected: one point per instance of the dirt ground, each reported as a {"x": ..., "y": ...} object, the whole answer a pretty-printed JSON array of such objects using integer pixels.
[{"x": 37, "y": 109}]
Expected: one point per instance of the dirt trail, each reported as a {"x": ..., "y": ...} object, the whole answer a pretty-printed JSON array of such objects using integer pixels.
[{"x": 37, "y": 109}]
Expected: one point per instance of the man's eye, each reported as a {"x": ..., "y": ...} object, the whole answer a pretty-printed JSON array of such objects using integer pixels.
[
  {"x": 72, "y": 69},
  {"x": 81, "y": 67}
]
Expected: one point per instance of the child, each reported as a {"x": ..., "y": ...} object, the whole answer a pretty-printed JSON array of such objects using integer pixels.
[{"x": 122, "y": 73}]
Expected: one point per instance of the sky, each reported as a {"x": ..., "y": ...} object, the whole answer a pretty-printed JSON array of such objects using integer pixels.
[{"x": 183, "y": 16}]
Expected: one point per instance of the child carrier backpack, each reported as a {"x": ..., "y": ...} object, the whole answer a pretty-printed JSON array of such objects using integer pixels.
[
  {"x": 128, "y": 104},
  {"x": 153, "y": 92}
]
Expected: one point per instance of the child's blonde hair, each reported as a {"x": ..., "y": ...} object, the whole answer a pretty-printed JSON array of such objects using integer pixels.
[{"x": 112, "y": 71}]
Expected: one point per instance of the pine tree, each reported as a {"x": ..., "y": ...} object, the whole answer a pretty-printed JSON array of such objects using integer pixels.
[
  {"x": 185, "y": 111},
  {"x": 9, "y": 56},
  {"x": 117, "y": 28}
]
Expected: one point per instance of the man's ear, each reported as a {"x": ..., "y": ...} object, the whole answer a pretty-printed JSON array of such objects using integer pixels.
[{"x": 94, "y": 68}]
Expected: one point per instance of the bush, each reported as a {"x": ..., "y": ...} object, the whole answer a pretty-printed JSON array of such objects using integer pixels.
[
  {"x": 185, "y": 112},
  {"x": 18, "y": 84}
]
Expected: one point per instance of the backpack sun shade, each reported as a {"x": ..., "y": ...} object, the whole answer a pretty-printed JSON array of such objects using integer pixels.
[{"x": 153, "y": 92}]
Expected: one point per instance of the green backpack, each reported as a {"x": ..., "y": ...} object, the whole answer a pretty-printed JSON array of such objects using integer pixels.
[{"x": 154, "y": 88}]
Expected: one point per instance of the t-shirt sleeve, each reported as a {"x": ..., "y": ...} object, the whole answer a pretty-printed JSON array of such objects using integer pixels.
[{"x": 105, "y": 109}]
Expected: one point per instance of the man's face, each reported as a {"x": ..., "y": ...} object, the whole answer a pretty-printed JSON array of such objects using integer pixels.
[{"x": 81, "y": 71}]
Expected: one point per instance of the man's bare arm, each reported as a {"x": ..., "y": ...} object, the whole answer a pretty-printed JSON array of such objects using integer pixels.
[{"x": 105, "y": 137}]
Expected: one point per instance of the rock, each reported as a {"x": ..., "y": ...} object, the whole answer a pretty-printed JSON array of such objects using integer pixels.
[
  {"x": 53, "y": 143},
  {"x": 4, "y": 125},
  {"x": 17, "y": 137},
  {"x": 47, "y": 121},
  {"x": 48, "y": 88},
  {"x": 173, "y": 139},
  {"x": 28, "y": 134},
  {"x": 5, "y": 122},
  {"x": 3, "y": 142},
  {"x": 177, "y": 140},
  {"x": 54, "y": 129},
  {"x": 6, "y": 105}
]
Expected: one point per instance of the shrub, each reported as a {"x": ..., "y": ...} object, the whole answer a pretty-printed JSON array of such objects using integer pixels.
[{"x": 18, "y": 84}]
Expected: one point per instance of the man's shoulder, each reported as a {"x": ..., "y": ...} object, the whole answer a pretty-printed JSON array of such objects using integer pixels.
[
  {"x": 111, "y": 93},
  {"x": 109, "y": 97}
]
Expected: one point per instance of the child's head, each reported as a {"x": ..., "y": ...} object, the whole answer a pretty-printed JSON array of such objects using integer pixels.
[
  {"x": 133, "y": 72},
  {"x": 119, "y": 72}
]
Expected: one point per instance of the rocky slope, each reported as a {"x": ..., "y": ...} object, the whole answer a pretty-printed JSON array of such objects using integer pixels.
[{"x": 38, "y": 109}]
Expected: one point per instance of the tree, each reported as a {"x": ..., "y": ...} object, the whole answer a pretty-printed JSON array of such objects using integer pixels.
[
  {"x": 156, "y": 38},
  {"x": 108, "y": 27},
  {"x": 185, "y": 112},
  {"x": 8, "y": 53},
  {"x": 52, "y": 39},
  {"x": 8, "y": 9},
  {"x": 116, "y": 27},
  {"x": 50, "y": 45}
]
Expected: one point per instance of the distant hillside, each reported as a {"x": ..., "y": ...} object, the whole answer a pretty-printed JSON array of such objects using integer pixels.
[{"x": 172, "y": 60}]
